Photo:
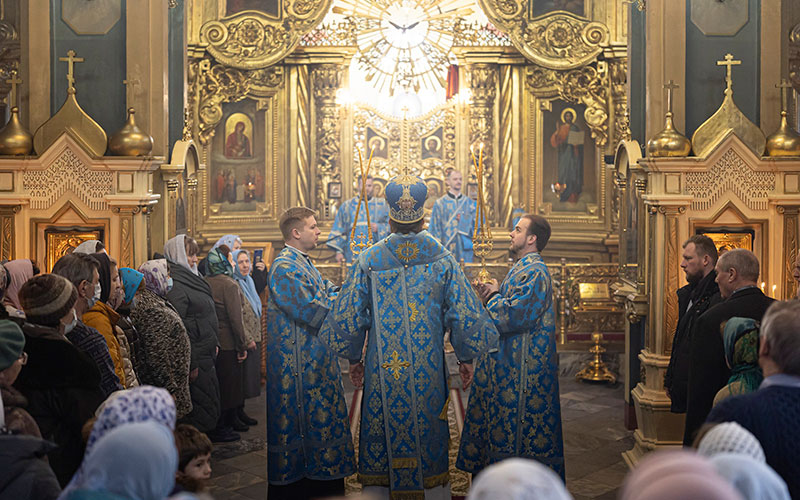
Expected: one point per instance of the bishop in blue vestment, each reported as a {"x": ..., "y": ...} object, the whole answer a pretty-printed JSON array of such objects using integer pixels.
[
  {"x": 308, "y": 436},
  {"x": 342, "y": 229},
  {"x": 514, "y": 408},
  {"x": 453, "y": 219},
  {"x": 401, "y": 296}
]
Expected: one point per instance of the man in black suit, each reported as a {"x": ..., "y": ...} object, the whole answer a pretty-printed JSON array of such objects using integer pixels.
[
  {"x": 701, "y": 292},
  {"x": 737, "y": 275}
]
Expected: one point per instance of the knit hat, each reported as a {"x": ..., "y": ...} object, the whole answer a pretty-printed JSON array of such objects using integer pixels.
[
  {"x": 12, "y": 341},
  {"x": 47, "y": 298},
  {"x": 730, "y": 437}
]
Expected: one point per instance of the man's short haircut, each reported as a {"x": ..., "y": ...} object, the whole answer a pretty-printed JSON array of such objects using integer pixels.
[
  {"x": 77, "y": 267},
  {"x": 744, "y": 261},
  {"x": 294, "y": 218},
  {"x": 703, "y": 246},
  {"x": 191, "y": 444},
  {"x": 401, "y": 228},
  {"x": 538, "y": 226},
  {"x": 780, "y": 329},
  {"x": 191, "y": 246}
]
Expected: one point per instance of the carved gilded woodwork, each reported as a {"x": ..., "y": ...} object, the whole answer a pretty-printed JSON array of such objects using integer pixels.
[
  {"x": 9, "y": 55},
  {"x": 794, "y": 57},
  {"x": 790, "y": 249},
  {"x": 252, "y": 40},
  {"x": 482, "y": 80},
  {"x": 560, "y": 40},
  {"x": 507, "y": 147},
  {"x": 671, "y": 277},
  {"x": 303, "y": 147},
  {"x": 326, "y": 80},
  {"x": 7, "y": 231}
]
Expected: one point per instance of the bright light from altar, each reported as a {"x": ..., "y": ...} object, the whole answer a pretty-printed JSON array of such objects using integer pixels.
[{"x": 408, "y": 104}]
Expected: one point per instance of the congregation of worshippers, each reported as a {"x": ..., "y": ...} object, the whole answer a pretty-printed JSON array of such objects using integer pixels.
[{"x": 117, "y": 382}]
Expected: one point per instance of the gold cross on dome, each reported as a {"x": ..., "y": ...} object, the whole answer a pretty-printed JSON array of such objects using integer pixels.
[
  {"x": 71, "y": 60},
  {"x": 729, "y": 62},
  {"x": 784, "y": 86},
  {"x": 130, "y": 90},
  {"x": 396, "y": 365},
  {"x": 13, "y": 81},
  {"x": 670, "y": 86}
]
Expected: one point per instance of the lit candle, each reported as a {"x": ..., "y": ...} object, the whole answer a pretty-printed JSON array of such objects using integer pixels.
[
  {"x": 762, "y": 287},
  {"x": 774, "y": 289}
]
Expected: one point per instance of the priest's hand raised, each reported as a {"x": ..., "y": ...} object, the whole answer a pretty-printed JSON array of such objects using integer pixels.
[{"x": 357, "y": 374}]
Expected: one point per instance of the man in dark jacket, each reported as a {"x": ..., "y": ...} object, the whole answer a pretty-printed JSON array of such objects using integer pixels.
[
  {"x": 702, "y": 292},
  {"x": 737, "y": 275}
]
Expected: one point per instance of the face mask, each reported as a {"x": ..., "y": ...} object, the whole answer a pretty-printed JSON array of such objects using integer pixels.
[
  {"x": 91, "y": 301},
  {"x": 169, "y": 283},
  {"x": 68, "y": 328}
]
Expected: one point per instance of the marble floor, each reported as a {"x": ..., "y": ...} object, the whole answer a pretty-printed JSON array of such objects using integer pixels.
[{"x": 594, "y": 438}]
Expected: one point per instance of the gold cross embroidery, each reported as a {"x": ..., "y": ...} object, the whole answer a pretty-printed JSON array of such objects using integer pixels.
[
  {"x": 396, "y": 365},
  {"x": 413, "y": 308}
]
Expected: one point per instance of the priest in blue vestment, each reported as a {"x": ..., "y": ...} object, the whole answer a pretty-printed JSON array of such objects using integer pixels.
[
  {"x": 401, "y": 296},
  {"x": 342, "y": 229},
  {"x": 453, "y": 218},
  {"x": 514, "y": 408},
  {"x": 309, "y": 447}
]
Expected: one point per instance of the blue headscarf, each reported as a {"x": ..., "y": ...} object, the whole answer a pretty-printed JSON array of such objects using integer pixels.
[
  {"x": 246, "y": 283},
  {"x": 134, "y": 461},
  {"x": 751, "y": 478},
  {"x": 228, "y": 240},
  {"x": 131, "y": 279}
]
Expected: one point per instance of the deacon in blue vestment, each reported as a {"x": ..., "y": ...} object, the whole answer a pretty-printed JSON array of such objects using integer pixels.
[
  {"x": 309, "y": 446},
  {"x": 514, "y": 408},
  {"x": 402, "y": 294},
  {"x": 453, "y": 218},
  {"x": 342, "y": 228}
]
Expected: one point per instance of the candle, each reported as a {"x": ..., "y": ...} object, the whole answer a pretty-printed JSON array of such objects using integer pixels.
[
  {"x": 774, "y": 288},
  {"x": 762, "y": 286}
]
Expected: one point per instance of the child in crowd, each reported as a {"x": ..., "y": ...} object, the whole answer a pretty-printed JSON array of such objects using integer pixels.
[{"x": 194, "y": 462}]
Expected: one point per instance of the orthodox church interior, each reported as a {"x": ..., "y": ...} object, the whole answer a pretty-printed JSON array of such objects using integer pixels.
[{"x": 629, "y": 125}]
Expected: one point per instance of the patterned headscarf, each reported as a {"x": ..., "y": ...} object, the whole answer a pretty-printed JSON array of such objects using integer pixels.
[
  {"x": 518, "y": 479},
  {"x": 19, "y": 271},
  {"x": 131, "y": 279},
  {"x": 175, "y": 250},
  {"x": 246, "y": 283},
  {"x": 217, "y": 263},
  {"x": 730, "y": 437},
  {"x": 740, "y": 339},
  {"x": 228, "y": 240},
  {"x": 140, "y": 404},
  {"x": 156, "y": 276}
]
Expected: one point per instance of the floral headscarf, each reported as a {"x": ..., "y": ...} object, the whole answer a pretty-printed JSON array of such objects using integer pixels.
[
  {"x": 156, "y": 276},
  {"x": 217, "y": 263},
  {"x": 228, "y": 240},
  {"x": 740, "y": 339},
  {"x": 131, "y": 279},
  {"x": 246, "y": 283},
  {"x": 140, "y": 404},
  {"x": 175, "y": 250}
]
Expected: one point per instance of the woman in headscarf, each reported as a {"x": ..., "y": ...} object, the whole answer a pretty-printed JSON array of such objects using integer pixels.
[
  {"x": 191, "y": 297},
  {"x": 676, "y": 475},
  {"x": 103, "y": 318},
  {"x": 232, "y": 241},
  {"x": 140, "y": 404},
  {"x": 19, "y": 271},
  {"x": 740, "y": 340},
  {"x": 165, "y": 352},
  {"x": 130, "y": 280},
  {"x": 251, "y": 368},
  {"x": 754, "y": 480},
  {"x": 729, "y": 437},
  {"x": 135, "y": 461},
  {"x": 90, "y": 246},
  {"x": 232, "y": 340},
  {"x": 518, "y": 479}
]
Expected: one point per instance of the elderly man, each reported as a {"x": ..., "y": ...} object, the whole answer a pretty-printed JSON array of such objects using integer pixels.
[
  {"x": 737, "y": 275},
  {"x": 700, "y": 293},
  {"x": 771, "y": 412}
]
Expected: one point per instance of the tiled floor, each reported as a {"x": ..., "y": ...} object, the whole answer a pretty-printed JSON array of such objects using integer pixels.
[{"x": 594, "y": 438}]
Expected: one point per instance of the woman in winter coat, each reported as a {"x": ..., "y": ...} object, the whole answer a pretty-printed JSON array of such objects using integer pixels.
[
  {"x": 191, "y": 297},
  {"x": 165, "y": 348},
  {"x": 233, "y": 346},
  {"x": 103, "y": 317},
  {"x": 251, "y": 313}
]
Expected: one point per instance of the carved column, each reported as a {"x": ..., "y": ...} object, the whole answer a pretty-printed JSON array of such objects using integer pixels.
[
  {"x": 505, "y": 201},
  {"x": 327, "y": 79},
  {"x": 191, "y": 205},
  {"x": 9, "y": 60},
  {"x": 172, "y": 198},
  {"x": 482, "y": 79},
  {"x": 790, "y": 248},
  {"x": 7, "y": 231},
  {"x": 303, "y": 144},
  {"x": 794, "y": 59}
]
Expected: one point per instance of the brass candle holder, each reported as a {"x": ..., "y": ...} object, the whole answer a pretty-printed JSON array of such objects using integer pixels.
[
  {"x": 359, "y": 243},
  {"x": 482, "y": 239}
]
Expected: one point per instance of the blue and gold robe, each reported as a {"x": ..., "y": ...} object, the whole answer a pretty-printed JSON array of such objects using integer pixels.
[
  {"x": 453, "y": 223},
  {"x": 514, "y": 408},
  {"x": 403, "y": 293},
  {"x": 342, "y": 228},
  {"x": 308, "y": 435}
]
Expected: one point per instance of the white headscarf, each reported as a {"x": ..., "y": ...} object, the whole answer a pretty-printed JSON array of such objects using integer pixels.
[
  {"x": 88, "y": 247},
  {"x": 754, "y": 480},
  {"x": 175, "y": 250},
  {"x": 730, "y": 437},
  {"x": 518, "y": 479}
]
